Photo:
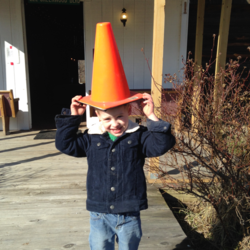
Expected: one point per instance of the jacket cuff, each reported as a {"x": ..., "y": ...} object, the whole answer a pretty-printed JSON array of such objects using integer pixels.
[
  {"x": 65, "y": 111},
  {"x": 158, "y": 126}
]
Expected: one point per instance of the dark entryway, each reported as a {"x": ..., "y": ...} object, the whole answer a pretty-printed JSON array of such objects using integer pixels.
[
  {"x": 55, "y": 44},
  {"x": 239, "y": 32}
]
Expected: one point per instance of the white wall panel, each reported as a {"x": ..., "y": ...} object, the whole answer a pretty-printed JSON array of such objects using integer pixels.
[
  {"x": 130, "y": 39},
  {"x": 107, "y": 11},
  {"x": 184, "y": 36},
  {"x": 2, "y": 59},
  {"x": 172, "y": 38},
  {"x": 139, "y": 38},
  {"x": 20, "y": 82},
  {"x": 14, "y": 76},
  {"x": 135, "y": 35},
  {"x": 5, "y": 36},
  {"x": 88, "y": 44},
  {"x": 175, "y": 42},
  {"x": 129, "y": 44},
  {"x": 148, "y": 27},
  {"x": 117, "y": 27}
]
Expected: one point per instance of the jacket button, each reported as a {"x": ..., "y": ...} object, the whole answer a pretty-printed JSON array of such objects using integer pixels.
[
  {"x": 165, "y": 128},
  {"x": 129, "y": 142},
  {"x": 113, "y": 168},
  {"x": 113, "y": 189},
  {"x": 98, "y": 144},
  {"x": 112, "y": 207},
  {"x": 113, "y": 150}
]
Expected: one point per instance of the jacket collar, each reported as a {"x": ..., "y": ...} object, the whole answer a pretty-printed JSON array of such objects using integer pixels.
[{"x": 99, "y": 129}]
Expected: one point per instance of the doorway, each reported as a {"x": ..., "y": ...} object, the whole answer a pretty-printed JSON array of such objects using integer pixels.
[
  {"x": 239, "y": 32},
  {"x": 55, "y": 45}
]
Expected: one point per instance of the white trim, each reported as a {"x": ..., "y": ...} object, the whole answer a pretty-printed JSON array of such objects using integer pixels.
[{"x": 26, "y": 63}]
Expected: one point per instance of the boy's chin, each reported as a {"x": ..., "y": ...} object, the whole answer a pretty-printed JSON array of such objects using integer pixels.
[{"x": 116, "y": 134}]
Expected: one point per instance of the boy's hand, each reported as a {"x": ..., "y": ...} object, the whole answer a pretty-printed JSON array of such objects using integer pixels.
[
  {"x": 77, "y": 108},
  {"x": 148, "y": 107}
]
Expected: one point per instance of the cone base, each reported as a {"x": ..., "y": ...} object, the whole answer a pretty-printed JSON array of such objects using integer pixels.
[{"x": 108, "y": 105}]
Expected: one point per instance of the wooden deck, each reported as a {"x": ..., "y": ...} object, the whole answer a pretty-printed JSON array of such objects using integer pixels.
[{"x": 42, "y": 201}]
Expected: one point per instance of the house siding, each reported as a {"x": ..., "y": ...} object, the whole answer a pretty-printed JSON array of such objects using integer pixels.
[
  {"x": 14, "y": 76},
  {"x": 137, "y": 34}
]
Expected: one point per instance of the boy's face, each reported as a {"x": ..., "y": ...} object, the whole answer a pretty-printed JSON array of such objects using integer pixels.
[{"x": 115, "y": 120}]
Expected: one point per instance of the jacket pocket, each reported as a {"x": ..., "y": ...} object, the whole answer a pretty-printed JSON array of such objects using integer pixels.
[
  {"x": 99, "y": 151},
  {"x": 130, "y": 150}
]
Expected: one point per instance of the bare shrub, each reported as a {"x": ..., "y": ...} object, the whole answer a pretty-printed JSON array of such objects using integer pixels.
[{"x": 211, "y": 157}]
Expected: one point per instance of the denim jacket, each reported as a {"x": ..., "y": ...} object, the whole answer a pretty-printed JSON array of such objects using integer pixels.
[{"x": 115, "y": 179}]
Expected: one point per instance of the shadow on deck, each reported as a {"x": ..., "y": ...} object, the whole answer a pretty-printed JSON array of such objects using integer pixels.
[{"x": 42, "y": 201}]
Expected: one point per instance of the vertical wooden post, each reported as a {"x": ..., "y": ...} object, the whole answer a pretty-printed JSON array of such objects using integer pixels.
[
  {"x": 157, "y": 57},
  {"x": 221, "y": 56},
  {"x": 157, "y": 67},
  {"x": 198, "y": 55},
  {"x": 221, "y": 53},
  {"x": 199, "y": 32}
]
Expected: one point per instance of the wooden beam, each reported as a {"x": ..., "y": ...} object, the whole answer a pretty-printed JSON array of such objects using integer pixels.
[
  {"x": 221, "y": 53},
  {"x": 199, "y": 32},
  {"x": 157, "y": 60},
  {"x": 198, "y": 55},
  {"x": 157, "y": 56}
]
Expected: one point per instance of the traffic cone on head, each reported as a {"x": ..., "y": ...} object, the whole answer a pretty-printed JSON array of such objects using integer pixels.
[{"x": 109, "y": 84}]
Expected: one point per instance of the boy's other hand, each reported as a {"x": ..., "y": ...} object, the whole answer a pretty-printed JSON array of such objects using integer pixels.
[
  {"x": 148, "y": 107},
  {"x": 77, "y": 108}
]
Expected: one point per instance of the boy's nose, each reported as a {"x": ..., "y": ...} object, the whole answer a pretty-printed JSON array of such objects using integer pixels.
[{"x": 115, "y": 123}]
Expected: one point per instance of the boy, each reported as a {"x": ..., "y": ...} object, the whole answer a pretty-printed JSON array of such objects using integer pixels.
[{"x": 115, "y": 148}]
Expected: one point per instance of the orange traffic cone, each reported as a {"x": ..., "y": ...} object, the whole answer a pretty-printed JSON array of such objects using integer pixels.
[{"x": 109, "y": 84}]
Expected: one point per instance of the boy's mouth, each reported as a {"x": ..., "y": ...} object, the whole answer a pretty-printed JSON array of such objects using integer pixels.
[{"x": 116, "y": 131}]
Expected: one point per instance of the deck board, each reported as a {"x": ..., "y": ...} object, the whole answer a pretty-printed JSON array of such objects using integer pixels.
[{"x": 43, "y": 200}]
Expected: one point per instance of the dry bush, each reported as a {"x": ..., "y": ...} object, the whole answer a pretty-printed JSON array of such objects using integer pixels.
[{"x": 211, "y": 157}]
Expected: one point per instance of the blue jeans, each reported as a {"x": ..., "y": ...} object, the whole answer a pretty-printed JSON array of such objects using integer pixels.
[{"x": 104, "y": 227}]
